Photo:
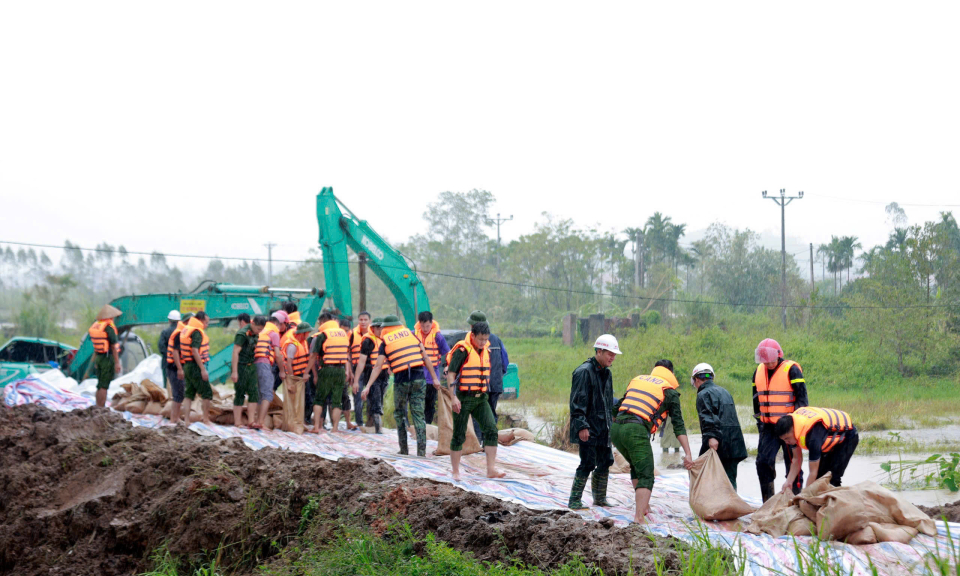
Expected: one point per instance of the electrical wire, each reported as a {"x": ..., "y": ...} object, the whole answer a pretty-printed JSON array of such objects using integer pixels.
[
  {"x": 884, "y": 203},
  {"x": 500, "y": 282}
]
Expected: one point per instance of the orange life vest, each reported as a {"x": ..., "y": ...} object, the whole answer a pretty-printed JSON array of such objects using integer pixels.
[
  {"x": 299, "y": 362},
  {"x": 263, "y": 349},
  {"x": 336, "y": 346},
  {"x": 475, "y": 373},
  {"x": 402, "y": 348},
  {"x": 645, "y": 395},
  {"x": 294, "y": 317},
  {"x": 429, "y": 341},
  {"x": 185, "y": 355},
  {"x": 173, "y": 335},
  {"x": 806, "y": 417},
  {"x": 776, "y": 395},
  {"x": 98, "y": 335},
  {"x": 356, "y": 339},
  {"x": 371, "y": 360}
]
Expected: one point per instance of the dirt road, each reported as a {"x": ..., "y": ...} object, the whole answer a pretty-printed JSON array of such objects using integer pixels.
[{"x": 86, "y": 493}]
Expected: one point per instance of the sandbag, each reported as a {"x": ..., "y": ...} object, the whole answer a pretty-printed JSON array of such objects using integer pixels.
[
  {"x": 875, "y": 532},
  {"x": 433, "y": 433},
  {"x": 775, "y": 515},
  {"x": 511, "y": 436},
  {"x": 292, "y": 420},
  {"x": 712, "y": 497},
  {"x": 135, "y": 407},
  {"x": 267, "y": 422},
  {"x": 849, "y": 509},
  {"x": 156, "y": 393},
  {"x": 153, "y": 408},
  {"x": 620, "y": 464},
  {"x": 471, "y": 444},
  {"x": 278, "y": 421}
]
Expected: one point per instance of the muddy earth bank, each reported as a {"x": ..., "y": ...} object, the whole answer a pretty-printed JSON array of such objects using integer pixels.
[{"x": 87, "y": 493}]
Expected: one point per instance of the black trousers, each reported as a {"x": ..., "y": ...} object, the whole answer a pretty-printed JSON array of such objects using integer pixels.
[
  {"x": 430, "y": 404},
  {"x": 308, "y": 399},
  {"x": 593, "y": 457},
  {"x": 767, "y": 449},
  {"x": 836, "y": 460}
]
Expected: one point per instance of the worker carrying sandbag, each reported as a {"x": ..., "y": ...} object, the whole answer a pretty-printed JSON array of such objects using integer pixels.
[
  {"x": 827, "y": 434},
  {"x": 640, "y": 413},
  {"x": 719, "y": 424}
]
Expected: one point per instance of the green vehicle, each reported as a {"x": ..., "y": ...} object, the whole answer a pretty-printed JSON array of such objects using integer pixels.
[{"x": 22, "y": 356}]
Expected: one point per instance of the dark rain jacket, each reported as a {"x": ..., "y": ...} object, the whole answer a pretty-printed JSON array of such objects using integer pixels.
[
  {"x": 591, "y": 403},
  {"x": 718, "y": 419}
]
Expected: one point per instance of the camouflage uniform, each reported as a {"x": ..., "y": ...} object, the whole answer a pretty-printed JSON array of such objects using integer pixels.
[{"x": 410, "y": 392}]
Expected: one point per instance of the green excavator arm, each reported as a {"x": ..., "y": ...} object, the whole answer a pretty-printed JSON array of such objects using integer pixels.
[
  {"x": 222, "y": 302},
  {"x": 339, "y": 229}
]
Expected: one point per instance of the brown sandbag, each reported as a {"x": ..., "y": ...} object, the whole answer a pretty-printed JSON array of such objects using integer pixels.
[
  {"x": 153, "y": 408},
  {"x": 135, "y": 407},
  {"x": 511, "y": 436},
  {"x": 293, "y": 402},
  {"x": 471, "y": 444},
  {"x": 433, "y": 433},
  {"x": 267, "y": 422},
  {"x": 156, "y": 393},
  {"x": 620, "y": 464},
  {"x": 278, "y": 422},
  {"x": 712, "y": 497},
  {"x": 849, "y": 509},
  {"x": 775, "y": 516}
]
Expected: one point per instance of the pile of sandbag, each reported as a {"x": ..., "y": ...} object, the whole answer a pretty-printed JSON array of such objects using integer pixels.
[
  {"x": 511, "y": 436},
  {"x": 864, "y": 513},
  {"x": 140, "y": 398}
]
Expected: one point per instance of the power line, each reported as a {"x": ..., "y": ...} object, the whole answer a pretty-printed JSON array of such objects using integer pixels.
[
  {"x": 501, "y": 282},
  {"x": 885, "y": 203}
]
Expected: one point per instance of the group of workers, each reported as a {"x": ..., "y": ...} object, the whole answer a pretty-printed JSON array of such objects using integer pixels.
[
  {"x": 785, "y": 422},
  {"x": 333, "y": 365}
]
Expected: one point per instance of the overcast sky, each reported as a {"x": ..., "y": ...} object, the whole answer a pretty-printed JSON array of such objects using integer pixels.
[{"x": 182, "y": 126}]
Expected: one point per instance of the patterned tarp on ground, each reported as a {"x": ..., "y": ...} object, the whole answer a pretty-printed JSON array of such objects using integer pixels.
[{"x": 539, "y": 477}]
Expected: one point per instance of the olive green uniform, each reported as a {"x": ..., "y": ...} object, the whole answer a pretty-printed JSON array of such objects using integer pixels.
[
  {"x": 246, "y": 385},
  {"x": 631, "y": 435},
  {"x": 191, "y": 373},
  {"x": 331, "y": 380},
  {"x": 103, "y": 364},
  {"x": 471, "y": 403}
]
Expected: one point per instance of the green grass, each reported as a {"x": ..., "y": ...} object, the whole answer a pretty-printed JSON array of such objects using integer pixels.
[{"x": 840, "y": 373}]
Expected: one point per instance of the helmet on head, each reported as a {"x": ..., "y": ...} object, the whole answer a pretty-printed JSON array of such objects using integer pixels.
[
  {"x": 174, "y": 315},
  {"x": 768, "y": 351},
  {"x": 607, "y": 342},
  {"x": 703, "y": 370},
  {"x": 281, "y": 316}
]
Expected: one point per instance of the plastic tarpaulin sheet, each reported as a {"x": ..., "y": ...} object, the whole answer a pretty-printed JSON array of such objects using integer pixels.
[{"x": 539, "y": 477}]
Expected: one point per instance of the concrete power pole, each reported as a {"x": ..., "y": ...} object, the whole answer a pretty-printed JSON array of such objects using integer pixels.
[
  {"x": 269, "y": 246},
  {"x": 499, "y": 221},
  {"x": 782, "y": 201}
]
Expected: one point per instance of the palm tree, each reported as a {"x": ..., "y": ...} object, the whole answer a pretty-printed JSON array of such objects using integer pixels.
[
  {"x": 849, "y": 244},
  {"x": 822, "y": 251},
  {"x": 635, "y": 234},
  {"x": 702, "y": 251},
  {"x": 835, "y": 262},
  {"x": 898, "y": 240},
  {"x": 657, "y": 230}
]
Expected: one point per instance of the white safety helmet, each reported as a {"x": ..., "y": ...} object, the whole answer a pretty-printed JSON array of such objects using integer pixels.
[
  {"x": 174, "y": 315},
  {"x": 607, "y": 342},
  {"x": 701, "y": 369}
]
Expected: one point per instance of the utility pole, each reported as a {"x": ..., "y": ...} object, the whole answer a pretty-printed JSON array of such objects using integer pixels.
[
  {"x": 362, "y": 277},
  {"x": 782, "y": 201},
  {"x": 813, "y": 285},
  {"x": 269, "y": 246},
  {"x": 498, "y": 220}
]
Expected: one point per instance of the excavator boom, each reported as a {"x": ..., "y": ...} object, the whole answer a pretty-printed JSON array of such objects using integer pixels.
[{"x": 339, "y": 229}]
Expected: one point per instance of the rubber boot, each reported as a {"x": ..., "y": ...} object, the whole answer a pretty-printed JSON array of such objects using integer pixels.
[
  {"x": 402, "y": 436},
  {"x": 598, "y": 485},
  {"x": 576, "y": 493},
  {"x": 767, "y": 491},
  {"x": 377, "y": 426}
]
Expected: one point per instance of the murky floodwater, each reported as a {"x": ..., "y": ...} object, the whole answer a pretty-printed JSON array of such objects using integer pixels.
[{"x": 860, "y": 469}]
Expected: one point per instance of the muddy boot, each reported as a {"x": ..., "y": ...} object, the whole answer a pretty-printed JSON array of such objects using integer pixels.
[
  {"x": 767, "y": 491},
  {"x": 403, "y": 442},
  {"x": 377, "y": 426},
  {"x": 576, "y": 493},
  {"x": 598, "y": 485}
]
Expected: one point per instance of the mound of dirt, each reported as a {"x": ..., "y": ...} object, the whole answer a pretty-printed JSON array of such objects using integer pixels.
[
  {"x": 951, "y": 511},
  {"x": 86, "y": 493}
]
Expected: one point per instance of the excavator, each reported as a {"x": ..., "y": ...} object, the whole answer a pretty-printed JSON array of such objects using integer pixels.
[
  {"x": 221, "y": 301},
  {"x": 340, "y": 229}
]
